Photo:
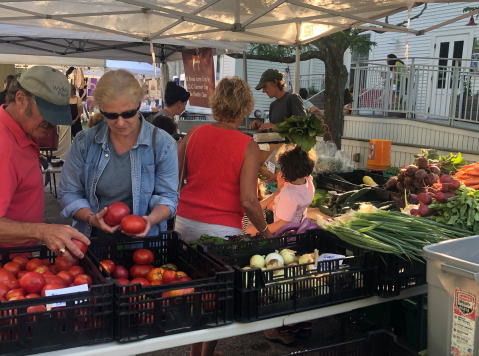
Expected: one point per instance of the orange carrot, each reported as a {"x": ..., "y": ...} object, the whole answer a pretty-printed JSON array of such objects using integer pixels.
[
  {"x": 474, "y": 186},
  {"x": 469, "y": 182}
]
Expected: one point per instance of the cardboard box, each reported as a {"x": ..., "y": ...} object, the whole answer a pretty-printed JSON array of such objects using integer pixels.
[{"x": 263, "y": 155}]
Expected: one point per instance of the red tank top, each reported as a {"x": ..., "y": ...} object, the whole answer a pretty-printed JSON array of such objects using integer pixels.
[{"x": 213, "y": 164}]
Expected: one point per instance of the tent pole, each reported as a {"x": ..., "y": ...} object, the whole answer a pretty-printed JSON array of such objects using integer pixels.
[
  {"x": 245, "y": 78},
  {"x": 297, "y": 70}
]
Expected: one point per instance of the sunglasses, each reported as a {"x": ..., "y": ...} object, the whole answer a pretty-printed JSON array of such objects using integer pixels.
[{"x": 125, "y": 114}]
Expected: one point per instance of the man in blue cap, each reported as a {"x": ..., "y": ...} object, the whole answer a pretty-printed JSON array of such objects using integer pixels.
[
  {"x": 285, "y": 105},
  {"x": 36, "y": 103}
]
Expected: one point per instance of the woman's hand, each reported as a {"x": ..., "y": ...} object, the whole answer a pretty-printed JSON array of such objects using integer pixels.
[
  {"x": 145, "y": 232},
  {"x": 267, "y": 126},
  {"x": 98, "y": 222}
]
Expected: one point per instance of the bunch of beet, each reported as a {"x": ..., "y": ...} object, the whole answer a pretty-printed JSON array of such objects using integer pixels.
[
  {"x": 443, "y": 192},
  {"x": 416, "y": 178}
]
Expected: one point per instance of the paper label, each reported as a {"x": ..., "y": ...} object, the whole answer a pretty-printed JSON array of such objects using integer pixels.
[
  {"x": 271, "y": 167},
  {"x": 255, "y": 137},
  {"x": 333, "y": 192},
  {"x": 328, "y": 256},
  {"x": 463, "y": 323},
  {"x": 264, "y": 146},
  {"x": 75, "y": 289}
]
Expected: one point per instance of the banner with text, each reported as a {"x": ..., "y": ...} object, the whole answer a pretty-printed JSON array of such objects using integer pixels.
[{"x": 200, "y": 77}]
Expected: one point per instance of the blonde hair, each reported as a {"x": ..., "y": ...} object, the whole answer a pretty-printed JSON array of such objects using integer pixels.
[
  {"x": 95, "y": 119},
  {"x": 117, "y": 83},
  {"x": 279, "y": 83},
  {"x": 231, "y": 99}
]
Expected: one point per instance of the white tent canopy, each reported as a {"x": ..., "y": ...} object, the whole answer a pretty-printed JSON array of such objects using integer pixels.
[{"x": 167, "y": 21}]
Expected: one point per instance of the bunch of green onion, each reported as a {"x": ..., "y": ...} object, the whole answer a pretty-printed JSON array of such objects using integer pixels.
[{"x": 393, "y": 232}]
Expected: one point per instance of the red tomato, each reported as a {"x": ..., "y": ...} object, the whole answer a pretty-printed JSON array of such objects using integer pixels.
[
  {"x": 56, "y": 279},
  {"x": 33, "y": 264},
  {"x": 2, "y": 299},
  {"x": 4, "y": 290},
  {"x": 120, "y": 272},
  {"x": 46, "y": 262},
  {"x": 169, "y": 277},
  {"x": 142, "y": 281},
  {"x": 42, "y": 269},
  {"x": 32, "y": 282},
  {"x": 83, "y": 248},
  {"x": 6, "y": 275},
  {"x": 62, "y": 264},
  {"x": 12, "y": 267},
  {"x": 83, "y": 279},
  {"x": 139, "y": 271},
  {"x": 184, "y": 279},
  {"x": 176, "y": 293},
  {"x": 21, "y": 274},
  {"x": 155, "y": 274},
  {"x": 51, "y": 286},
  {"x": 12, "y": 283},
  {"x": 67, "y": 277},
  {"x": 156, "y": 282},
  {"x": 123, "y": 281},
  {"x": 35, "y": 309},
  {"x": 22, "y": 261},
  {"x": 17, "y": 297},
  {"x": 133, "y": 224},
  {"x": 15, "y": 293},
  {"x": 109, "y": 263},
  {"x": 48, "y": 273},
  {"x": 116, "y": 212},
  {"x": 31, "y": 296},
  {"x": 76, "y": 271},
  {"x": 181, "y": 274},
  {"x": 53, "y": 269},
  {"x": 105, "y": 268},
  {"x": 143, "y": 257}
]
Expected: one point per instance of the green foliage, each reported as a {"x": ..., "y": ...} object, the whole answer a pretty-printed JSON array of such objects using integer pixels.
[
  {"x": 301, "y": 130},
  {"x": 319, "y": 198},
  {"x": 471, "y": 8},
  {"x": 449, "y": 164}
]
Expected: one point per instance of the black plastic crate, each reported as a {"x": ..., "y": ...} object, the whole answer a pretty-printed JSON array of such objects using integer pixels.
[
  {"x": 354, "y": 181},
  {"x": 86, "y": 319},
  {"x": 393, "y": 273},
  {"x": 262, "y": 294},
  {"x": 377, "y": 343},
  {"x": 142, "y": 313}
]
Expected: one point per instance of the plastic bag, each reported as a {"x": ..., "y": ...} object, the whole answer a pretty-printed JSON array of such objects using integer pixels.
[
  {"x": 272, "y": 158},
  {"x": 330, "y": 160}
]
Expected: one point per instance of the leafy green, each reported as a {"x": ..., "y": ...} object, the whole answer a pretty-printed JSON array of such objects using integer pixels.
[
  {"x": 393, "y": 171},
  {"x": 208, "y": 238},
  {"x": 320, "y": 196},
  {"x": 449, "y": 164},
  {"x": 301, "y": 130}
]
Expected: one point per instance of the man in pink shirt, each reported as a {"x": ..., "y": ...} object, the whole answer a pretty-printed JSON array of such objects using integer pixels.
[{"x": 36, "y": 103}]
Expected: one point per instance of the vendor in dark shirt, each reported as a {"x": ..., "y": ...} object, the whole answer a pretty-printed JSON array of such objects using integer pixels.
[{"x": 285, "y": 105}]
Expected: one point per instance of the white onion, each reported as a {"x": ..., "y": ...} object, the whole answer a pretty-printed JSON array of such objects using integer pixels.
[
  {"x": 275, "y": 256},
  {"x": 288, "y": 255},
  {"x": 274, "y": 263},
  {"x": 257, "y": 261}
]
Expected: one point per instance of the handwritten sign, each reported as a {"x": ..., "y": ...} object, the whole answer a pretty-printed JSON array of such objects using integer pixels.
[
  {"x": 200, "y": 76},
  {"x": 271, "y": 167}
]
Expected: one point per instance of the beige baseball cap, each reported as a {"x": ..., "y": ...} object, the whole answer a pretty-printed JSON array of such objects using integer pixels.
[{"x": 52, "y": 93}]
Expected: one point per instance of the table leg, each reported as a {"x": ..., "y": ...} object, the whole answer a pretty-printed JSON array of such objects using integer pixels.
[
  {"x": 55, "y": 185},
  {"x": 420, "y": 302},
  {"x": 51, "y": 191}
]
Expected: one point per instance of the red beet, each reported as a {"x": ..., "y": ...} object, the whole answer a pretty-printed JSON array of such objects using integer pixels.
[
  {"x": 424, "y": 198},
  {"x": 423, "y": 210},
  {"x": 449, "y": 195},
  {"x": 454, "y": 185},
  {"x": 445, "y": 178},
  {"x": 445, "y": 188},
  {"x": 440, "y": 197},
  {"x": 413, "y": 212}
]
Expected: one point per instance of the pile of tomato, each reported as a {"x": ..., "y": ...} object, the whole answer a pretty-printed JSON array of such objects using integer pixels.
[{"x": 144, "y": 273}]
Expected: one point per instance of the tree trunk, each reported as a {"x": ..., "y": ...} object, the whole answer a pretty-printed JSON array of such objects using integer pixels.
[{"x": 336, "y": 77}]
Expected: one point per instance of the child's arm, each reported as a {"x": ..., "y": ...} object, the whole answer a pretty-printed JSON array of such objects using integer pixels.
[{"x": 265, "y": 202}]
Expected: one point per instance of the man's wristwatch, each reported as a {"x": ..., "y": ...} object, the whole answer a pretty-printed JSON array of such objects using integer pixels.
[{"x": 88, "y": 219}]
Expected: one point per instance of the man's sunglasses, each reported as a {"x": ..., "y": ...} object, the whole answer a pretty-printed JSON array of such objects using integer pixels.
[{"x": 125, "y": 114}]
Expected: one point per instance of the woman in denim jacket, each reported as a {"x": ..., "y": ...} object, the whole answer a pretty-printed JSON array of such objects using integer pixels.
[{"x": 124, "y": 158}]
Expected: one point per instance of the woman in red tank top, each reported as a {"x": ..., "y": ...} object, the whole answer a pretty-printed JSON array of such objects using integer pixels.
[{"x": 221, "y": 173}]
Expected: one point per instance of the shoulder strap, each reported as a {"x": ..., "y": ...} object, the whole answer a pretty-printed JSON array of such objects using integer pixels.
[{"x": 153, "y": 145}]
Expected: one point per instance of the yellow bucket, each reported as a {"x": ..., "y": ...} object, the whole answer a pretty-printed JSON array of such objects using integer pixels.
[{"x": 379, "y": 154}]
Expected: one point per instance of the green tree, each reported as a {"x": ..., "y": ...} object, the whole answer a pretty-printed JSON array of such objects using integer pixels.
[{"x": 330, "y": 49}]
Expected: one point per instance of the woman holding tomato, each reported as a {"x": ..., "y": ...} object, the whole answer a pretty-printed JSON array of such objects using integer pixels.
[
  {"x": 122, "y": 159},
  {"x": 220, "y": 165}
]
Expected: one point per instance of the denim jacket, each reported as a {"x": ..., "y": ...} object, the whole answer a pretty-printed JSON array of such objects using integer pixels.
[{"x": 153, "y": 183}]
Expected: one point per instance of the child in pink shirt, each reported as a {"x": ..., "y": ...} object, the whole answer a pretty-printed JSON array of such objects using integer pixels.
[{"x": 295, "y": 187}]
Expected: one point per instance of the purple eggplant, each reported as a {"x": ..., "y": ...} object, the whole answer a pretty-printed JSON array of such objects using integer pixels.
[
  {"x": 285, "y": 228},
  {"x": 302, "y": 227}
]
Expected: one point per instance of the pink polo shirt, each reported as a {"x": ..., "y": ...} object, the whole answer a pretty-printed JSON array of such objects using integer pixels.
[{"x": 21, "y": 181}]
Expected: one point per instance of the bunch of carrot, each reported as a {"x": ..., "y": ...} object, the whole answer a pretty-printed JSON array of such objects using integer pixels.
[{"x": 469, "y": 175}]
